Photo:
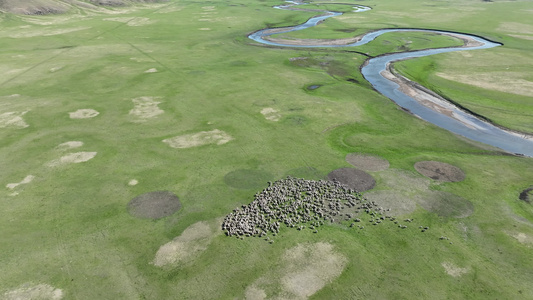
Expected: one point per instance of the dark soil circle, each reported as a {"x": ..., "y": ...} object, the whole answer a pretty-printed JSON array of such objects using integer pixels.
[
  {"x": 526, "y": 195},
  {"x": 440, "y": 171},
  {"x": 367, "y": 162},
  {"x": 306, "y": 173},
  {"x": 154, "y": 205},
  {"x": 446, "y": 204},
  {"x": 353, "y": 178},
  {"x": 247, "y": 179}
]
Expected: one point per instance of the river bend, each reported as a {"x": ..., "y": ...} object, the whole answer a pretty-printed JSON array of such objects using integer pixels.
[{"x": 427, "y": 106}]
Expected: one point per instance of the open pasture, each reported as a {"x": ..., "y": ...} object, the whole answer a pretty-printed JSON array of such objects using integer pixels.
[{"x": 101, "y": 109}]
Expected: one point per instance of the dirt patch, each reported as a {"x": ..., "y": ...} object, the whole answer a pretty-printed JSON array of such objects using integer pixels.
[
  {"x": 367, "y": 162},
  {"x": 247, "y": 179},
  {"x": 73, "y": 158},
  {"x": 353, "y": 178},
  {"x": 271, "y": 114},
  {"x": 403, "y": 190},
  {"x": 310, "y": 267},
  {"x": 154, "y": 205},
  {"x": 215, "y": 136},
  {"x": 526, "y": 195},
  {"x": 69, "y": 145},
  {"x": 26, "y": 180},
  {"x": 523, "y": 238},
  {"x": 398, "y": 203},
  {"x": 84, "y": 113},
  {"x": 514, "y": 27},
  {"x": 508, "y": 82},
  {"x": 28, "y": 291},
  {"x": 145, "y": 108},
  {"x": 454, "y": 270},
  {"x": 521, "y": 36},
  {"x": 13, "y": 119},
  {"x": 305, "y": 269},
  {"x": 440, "y": 171},
  {"x": 446, "y": 204},
  {"x": 189, "y": 245},
  {"x": 254, "y": 293}
]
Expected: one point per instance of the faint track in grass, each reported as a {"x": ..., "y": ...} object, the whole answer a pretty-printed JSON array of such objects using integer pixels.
[{"x": 70, "y": 48}]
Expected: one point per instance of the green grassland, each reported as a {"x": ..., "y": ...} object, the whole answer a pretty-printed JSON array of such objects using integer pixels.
[{"x": 70, "y": 228}]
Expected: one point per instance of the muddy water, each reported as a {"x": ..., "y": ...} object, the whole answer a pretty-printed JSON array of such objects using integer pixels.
[{"x": 429, "y": 108}]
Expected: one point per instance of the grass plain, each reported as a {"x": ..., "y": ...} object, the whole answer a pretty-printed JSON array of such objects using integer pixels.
[{"x": 69, "y": 227}]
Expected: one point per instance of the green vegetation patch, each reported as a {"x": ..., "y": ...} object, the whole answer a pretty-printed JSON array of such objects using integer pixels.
[
  {"x": 440, "y": 171},
  {"x": 447, "y": 204},
  {"x": 247, "y": 178},
  {"x": 306, "y": 173}
]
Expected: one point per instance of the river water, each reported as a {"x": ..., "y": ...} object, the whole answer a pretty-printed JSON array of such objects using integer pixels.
[{"x": 454, "y": 120}]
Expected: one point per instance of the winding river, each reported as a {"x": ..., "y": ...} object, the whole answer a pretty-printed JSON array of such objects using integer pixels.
[{"x": 409, "y": 95}]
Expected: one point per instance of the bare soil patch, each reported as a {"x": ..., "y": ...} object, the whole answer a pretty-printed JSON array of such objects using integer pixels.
[
  {"x": 353, "y": 178},
  {"x": 523, "y": 238},
  {"x": 367, "y": 162},
  {"x": 215, "y": 136},
  {"x": 526, "y": 195},
  {"x": 145, "y": 108},
  {"x": 189, "y": 245},
  {"x": 508, "y": 82},
  {"x": 440, "y": 171},
  {"x": 26, "y": 180},
  {"x": 73, "y": 158},
  {"x": 310, "y": 267},
  {"x": 305, "y": 269},
  {"x": 398, "y": 203},
  {"x": 254, "y": 293},
  {"x": 271, "y": 114},
  {"x": 154, "y": 205},
  {"x": 446, "y": 204},
  {"x": 84, "y": 113},
  {"x": 454, "y": 270},
  {"x": 515, "y": 27},
  {"x": 13, "y": 119},
  {"x": 69, "y": 145},
  {"x": 39, "y": 291}
]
